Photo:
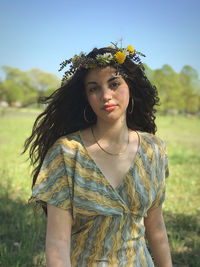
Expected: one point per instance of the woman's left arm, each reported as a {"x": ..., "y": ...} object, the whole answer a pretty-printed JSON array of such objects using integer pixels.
[{"x": 157, "y": 237}]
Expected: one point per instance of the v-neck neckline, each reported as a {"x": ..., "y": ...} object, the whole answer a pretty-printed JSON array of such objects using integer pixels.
[{"x": 99, "y": 169}]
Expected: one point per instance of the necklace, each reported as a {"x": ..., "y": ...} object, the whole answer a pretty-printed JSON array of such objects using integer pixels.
[{"x": 112, "y": 154}]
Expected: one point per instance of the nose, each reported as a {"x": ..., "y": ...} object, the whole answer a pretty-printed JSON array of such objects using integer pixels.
[{"x": 106, "y": 94}]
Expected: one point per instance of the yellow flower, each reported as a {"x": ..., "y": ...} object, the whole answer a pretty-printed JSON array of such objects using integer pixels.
[
  {"x": 75, "y": 58},
  {"x": 130, "y": 49},
  {"x": 120, "y": 57},
  {"x": 111, "y": 46}
]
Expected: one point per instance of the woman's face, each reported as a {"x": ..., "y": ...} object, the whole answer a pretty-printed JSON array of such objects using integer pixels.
[{"x": 107, "y": 93}]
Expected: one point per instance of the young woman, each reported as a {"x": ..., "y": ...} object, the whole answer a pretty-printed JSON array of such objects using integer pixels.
[{"x": 99, "y": 169}]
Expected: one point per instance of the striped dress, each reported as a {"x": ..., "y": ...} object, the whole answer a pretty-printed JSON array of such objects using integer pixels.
[{"x": 108, "y": 227}]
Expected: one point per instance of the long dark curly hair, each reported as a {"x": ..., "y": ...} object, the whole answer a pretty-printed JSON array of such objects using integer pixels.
[{"x": 64, "y": 111}]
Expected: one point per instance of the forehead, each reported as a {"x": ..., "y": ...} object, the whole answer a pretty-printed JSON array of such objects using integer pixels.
[{"x": 100, "y": 74}]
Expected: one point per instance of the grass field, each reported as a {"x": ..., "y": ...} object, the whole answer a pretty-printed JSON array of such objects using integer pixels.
[{"x": 22, "y": 231}]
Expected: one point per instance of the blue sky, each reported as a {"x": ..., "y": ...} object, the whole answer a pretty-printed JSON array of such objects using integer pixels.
[{"x": 43, "y": 33}]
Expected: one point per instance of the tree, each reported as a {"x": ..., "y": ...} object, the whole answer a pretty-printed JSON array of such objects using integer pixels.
[
  {"x": 27, "y": 86},
  {"x": 190, "y": 83},
  {"x": 11, "y": 92},
  {"x": 169, "y": 88},
  {"x": 43, "y": 81}
]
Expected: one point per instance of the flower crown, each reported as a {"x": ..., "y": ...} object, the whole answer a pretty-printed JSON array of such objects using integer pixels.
[{"x": 117, "y": 59}]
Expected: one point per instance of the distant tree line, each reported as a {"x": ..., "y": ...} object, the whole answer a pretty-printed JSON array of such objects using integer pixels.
[
  {"x": 178, "y": 92},
  {"x": 26, "y": 86}
]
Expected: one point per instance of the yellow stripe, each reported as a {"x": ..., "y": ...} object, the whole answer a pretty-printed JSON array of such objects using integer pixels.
[
  {"x": 56, "y": 188},
  {"x": 143, "y": 259},
  {"x": 98, "y": 244},
  {"x": 133, "y": 197},
  {"x": 87, "y": 174},
  {"x": 159, "y": 195},
  {"x": 84, "y": 173},
  {"x": 72, "y": 163},
  {"x": 83, "y": 211},
  {"x": 134, "y": 231},
  {"x": 146, "y": 147},
  {"x": 65, "y": 204},
  {"x": 144, "y": 176},
  {"x": 74, "y": 145},
  {"x": 80, "y": 243},
  {"x": 45, "y": 173},
  {"x": 113, "y": 261},
  {"x": 130, "y": 253},
  {"x": 146, "y": 179},
  {"x": 69, "y": 144},
  {"x": 98, "y": 198},
  {"x": 117, "y": 244},
  {"x": 159, "y": 143}
]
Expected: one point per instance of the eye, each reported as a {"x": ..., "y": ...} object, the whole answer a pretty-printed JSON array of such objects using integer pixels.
[
  {"x": 114, "y": 85},
  {"x": 92, "y": 89}
]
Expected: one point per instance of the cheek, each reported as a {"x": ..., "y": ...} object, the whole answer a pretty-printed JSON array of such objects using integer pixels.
[
  {"x": 92, "y": 100},
  {"x": 89, "y": 97},
  {"x": 124, "y": 95}
]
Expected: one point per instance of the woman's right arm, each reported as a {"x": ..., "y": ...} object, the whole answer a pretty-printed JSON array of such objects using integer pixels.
[{"x": 58, "y": 237}]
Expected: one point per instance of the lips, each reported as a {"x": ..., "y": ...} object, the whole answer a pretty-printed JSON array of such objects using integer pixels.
[{"x": 109, "y": 107}]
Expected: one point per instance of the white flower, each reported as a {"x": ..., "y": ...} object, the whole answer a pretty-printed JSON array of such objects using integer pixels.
[
  {"x": 107, "y": 57},
  {"x": 127, "y": 53},
  {"x": 99, "y": 57}
]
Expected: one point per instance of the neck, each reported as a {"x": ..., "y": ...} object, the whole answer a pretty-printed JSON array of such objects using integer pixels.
[{"x": 116, "y": 132}]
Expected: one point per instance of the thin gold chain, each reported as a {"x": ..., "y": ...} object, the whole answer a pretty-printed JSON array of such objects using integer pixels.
[{"x": 112, "y": 154}]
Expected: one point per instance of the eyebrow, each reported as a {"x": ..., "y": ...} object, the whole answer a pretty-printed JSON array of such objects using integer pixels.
[{"x": 109, "y": 80}]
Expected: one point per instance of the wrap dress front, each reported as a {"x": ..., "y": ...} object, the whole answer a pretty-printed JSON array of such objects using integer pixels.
[{"x": 108, "y": 227}]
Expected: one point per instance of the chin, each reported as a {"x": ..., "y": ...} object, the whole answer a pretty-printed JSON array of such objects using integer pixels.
[{"x": 111, "y": 117}]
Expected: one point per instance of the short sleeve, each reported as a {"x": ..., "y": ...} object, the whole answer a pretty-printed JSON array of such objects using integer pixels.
[
  {"x": 54, "y": 182},
  {"x": 162, "y": 174}
]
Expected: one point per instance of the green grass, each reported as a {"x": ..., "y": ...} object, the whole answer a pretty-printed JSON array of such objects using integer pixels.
[
  {"x": 22, "y": 231},
  {"x": 182, "y": 205}
]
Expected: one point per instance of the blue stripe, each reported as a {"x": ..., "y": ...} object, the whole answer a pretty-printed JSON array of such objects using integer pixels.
[
  {"x": 93, "y": 186},
  {"x": 147, "y": 254},
  {"x": 89, "y": 242},
  {"x": 83, "y": 203}
]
